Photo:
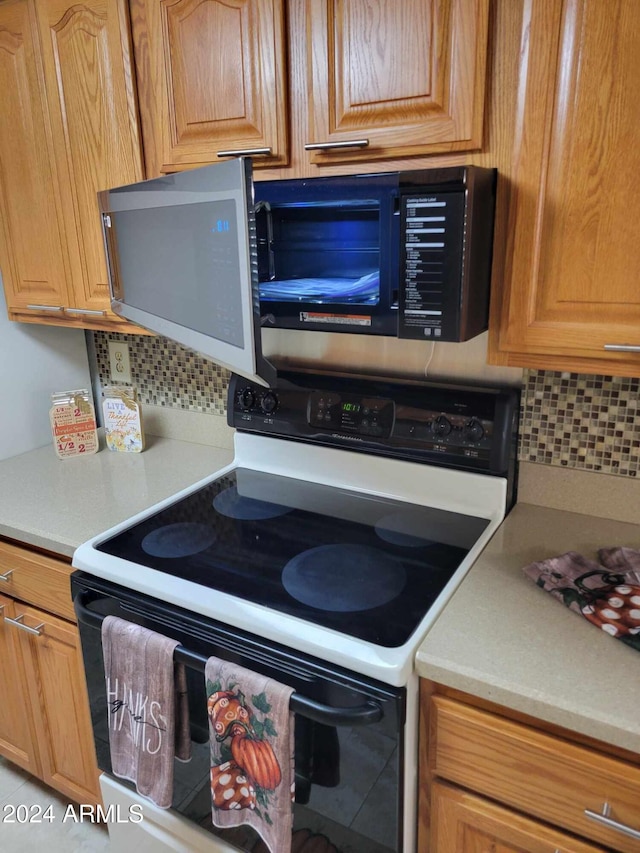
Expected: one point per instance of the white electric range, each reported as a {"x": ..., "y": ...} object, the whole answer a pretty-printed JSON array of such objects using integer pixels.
[{"x": 320, "y": 556}]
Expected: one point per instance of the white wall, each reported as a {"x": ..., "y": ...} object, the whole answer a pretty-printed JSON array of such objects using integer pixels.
[{"x": 35, "y": 361}]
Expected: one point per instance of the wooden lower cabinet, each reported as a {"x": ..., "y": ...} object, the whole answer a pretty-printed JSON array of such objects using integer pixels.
[
  {"x": 58, "y": 700},
  {"x": 495, "y": 781},
  {"x": 466, "y": 823},
  {"x": 16, "y": 736},
  {"x": 45, "y": 724}
]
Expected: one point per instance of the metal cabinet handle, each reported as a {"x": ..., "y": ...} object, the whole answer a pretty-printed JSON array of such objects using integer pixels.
[
  {"x": 622, "y": 347},
  {"x": 246, "y": 152},
  {"x": 347, "y": 143},
  {"x": 53, "y": 308},
  {"x": 92, "y": 311},
  {"x": 605, "y": 819},
  {"x": 20, "y": 624},
  {"x": 5, "y": 577}
]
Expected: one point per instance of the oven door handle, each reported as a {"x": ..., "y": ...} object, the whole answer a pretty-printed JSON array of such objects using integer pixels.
[{"x": 359, "y": 715}]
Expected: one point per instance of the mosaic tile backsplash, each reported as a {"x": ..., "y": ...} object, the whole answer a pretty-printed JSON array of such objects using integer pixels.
[
  {"x": 579, "y": 421},
  {"x": 566, "y": 419},
  {"x": 167, "y": 374}
]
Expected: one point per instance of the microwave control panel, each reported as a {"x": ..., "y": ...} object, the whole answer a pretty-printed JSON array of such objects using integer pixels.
[
  {"x": 432, "y": 264},
  {"x": 445, "y": 254}
]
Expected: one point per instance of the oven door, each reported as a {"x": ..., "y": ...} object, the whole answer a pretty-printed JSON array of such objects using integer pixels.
[{"x": 349, "y": 730}]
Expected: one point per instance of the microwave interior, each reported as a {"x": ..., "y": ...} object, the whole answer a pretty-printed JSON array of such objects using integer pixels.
[{"x": 326, "y": 253}]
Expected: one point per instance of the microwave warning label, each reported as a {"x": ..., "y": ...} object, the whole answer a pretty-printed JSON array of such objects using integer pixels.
[{"x": 342, "y": 319}]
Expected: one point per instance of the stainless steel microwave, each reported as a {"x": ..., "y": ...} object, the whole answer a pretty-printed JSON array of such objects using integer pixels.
[{"x": 208, "y": 257}]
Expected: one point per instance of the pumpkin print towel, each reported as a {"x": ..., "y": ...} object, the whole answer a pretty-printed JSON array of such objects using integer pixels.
[
  {"x": 607, "y": 593},
  {"x": 252, "y": 744}
]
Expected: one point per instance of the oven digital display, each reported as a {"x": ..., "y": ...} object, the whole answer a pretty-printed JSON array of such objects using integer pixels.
[{"x": 366, "y": 416}]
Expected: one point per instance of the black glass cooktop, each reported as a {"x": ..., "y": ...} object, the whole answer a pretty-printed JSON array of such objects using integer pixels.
[{"x": 363, "y": 565}]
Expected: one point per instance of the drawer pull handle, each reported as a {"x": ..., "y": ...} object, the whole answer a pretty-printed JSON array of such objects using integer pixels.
[
  {"x": 6, "y": 576},
  {"x": 328, "y": 146},
  {"x": 91, "y": 312},
  {"x": 622, "y": 347},
  {"x": 54, "y": 308},
  {"x": 247, "y": 152},
  {"x": 20, "y": 624},
  {"x": 605, "y": 819}
]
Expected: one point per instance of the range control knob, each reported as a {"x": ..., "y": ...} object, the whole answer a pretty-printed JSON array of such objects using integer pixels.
[
  {"x": 269, "y": 402},
  {"x": 473, "y": 430},
  {"x": 247, "y": 398},
  {"x": 441, "y": 426}
]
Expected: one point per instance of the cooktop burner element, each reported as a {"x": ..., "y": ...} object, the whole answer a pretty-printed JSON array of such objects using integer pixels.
[
  {"x": 344, "y": 578},
  {"x": 182, "y": 539},
  {"x": 403, "y": 528},
  {"x": 244, "y": 508},
  {"x": 415, "y": 528}
]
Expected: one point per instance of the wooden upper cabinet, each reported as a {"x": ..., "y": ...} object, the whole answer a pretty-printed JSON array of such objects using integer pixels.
[
  {"x": 211, "y": 78},
  {"x": 395, "y": 79},
  {"x": 87, "y": 67},
  {"x": 31, "y": 254},
  {"x": 570, "y": 280},
  {"x": 69, "y": 129}
]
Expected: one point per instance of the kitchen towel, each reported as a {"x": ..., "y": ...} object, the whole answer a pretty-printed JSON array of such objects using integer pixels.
[
  {"x": 251, "y": 736},
  {"x": 146, "y": 711},
  {"x": 621, "y": 559},
  {"x": 606, "y": 594}
]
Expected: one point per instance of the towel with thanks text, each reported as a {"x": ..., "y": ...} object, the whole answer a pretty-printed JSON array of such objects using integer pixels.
[
  {"x": 147, "y": 707},
  {"x": 252, "y": 744}
]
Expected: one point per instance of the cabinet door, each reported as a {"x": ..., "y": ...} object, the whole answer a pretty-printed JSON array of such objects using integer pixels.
[
  {"x": 533, "y": 771},
  {"x": 463, "y": 821},
  {"x": 572, "y": 263},
  {"x": 211, "y": 78},
  {"x": 16, "y": 735},
  {"x": 58, "y": 697},
  {"x": 31, "y": 253},
  {"x": 395, "y": 79},
  {"x": 88, "y": 75}
]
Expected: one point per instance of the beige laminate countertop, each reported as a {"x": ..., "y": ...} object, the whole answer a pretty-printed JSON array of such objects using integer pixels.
[
  {"x": 504, "y": 639},
  {"x": 500, "y": 637},
  {"x": 57, "y": 504}
]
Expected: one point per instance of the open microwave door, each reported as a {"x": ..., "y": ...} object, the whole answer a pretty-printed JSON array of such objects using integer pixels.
[{"x": 182, "y": 260}]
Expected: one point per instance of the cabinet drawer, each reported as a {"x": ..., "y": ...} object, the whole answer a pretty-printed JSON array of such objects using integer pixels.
[
  {"x": 37, "y": 579},
  {"x": 534, "y": 772},
  {"x": 463, "y": 821}
]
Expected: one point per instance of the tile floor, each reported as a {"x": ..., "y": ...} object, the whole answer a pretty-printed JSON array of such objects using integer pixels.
[{"x": 61, "y": 834}]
